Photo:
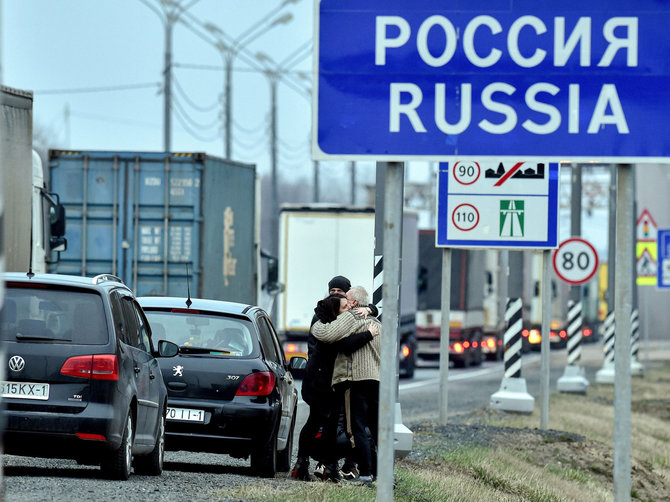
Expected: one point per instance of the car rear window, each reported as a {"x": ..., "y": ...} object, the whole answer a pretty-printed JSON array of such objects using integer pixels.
[
  {"x": 220, "y": 335},
  {"x": 35, "y": 313}
]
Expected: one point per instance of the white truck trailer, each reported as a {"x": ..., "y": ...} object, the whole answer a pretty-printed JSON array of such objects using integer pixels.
[{"x": 33, "y": 221}]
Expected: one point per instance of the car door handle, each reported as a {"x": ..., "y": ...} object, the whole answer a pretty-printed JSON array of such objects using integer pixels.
[{"x": 137, "y": 369}]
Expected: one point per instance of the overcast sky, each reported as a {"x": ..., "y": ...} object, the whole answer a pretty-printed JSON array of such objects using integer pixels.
[{"x": 96, "y": 68}]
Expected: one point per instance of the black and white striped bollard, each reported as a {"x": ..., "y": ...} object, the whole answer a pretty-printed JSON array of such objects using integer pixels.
[
  {"x": 636, "y": 367},
  {"x": 573, "y": 379},
  {"x": 513, "y": 395},
  {"x": 606, "y": 373}
]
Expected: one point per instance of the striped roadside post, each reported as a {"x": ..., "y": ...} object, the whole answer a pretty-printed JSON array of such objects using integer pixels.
[
  {"x": 636, "y": 367},
  {"x": 573, "y": 379},
  {"x": 512, "y": 395},
  {"x": 606, "y": 373},
  {"x": 378, "y": 284}
]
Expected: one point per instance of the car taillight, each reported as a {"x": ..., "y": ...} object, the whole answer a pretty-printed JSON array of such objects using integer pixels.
[
  {"x": 405, "y": 351},
  {"x": 257, "y": 384},
  {"x": 587, "y": 332},
  {"x": 563, "y": 333},
  {"x": 525, "y": 333},
  {"x": 291, "y": 348},
  {"x": 490, "y": 343},
  {"x": 97, "y": 367},
  {"x": 94, "y": 437},
  {"x": 534, "y": 336},
  {"x": 458, "y": 348}
]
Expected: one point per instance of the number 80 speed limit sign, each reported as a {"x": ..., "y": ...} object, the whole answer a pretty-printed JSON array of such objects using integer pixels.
[{"x": 575, "y": 261}]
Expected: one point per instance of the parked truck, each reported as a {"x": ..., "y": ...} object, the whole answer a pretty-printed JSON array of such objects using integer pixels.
[
  {"x": 466, "y": 316},
  {"x": 318, "y": 242},
  {"x": 531, "y": 335},
  {"x": 165, "y": 223},
  {"x": 34, "y": 220}
]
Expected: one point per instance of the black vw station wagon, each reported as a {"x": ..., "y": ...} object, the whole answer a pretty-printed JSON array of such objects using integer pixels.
[
  {"x": 230, "y": 389},
  {"x": 81, "y": 378}
]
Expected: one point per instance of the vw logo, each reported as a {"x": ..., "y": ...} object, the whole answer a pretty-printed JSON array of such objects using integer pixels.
[{"x": 17, "y": 363}]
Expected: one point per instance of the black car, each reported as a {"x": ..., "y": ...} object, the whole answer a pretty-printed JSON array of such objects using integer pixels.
[
  {"x": 230, "y": 389},
  {"x": 82, "y": 380}
]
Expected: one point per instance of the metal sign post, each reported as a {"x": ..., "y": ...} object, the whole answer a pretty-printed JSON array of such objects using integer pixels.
[
  {"x": 545, "y": 345},
  {"x": 623, "y": 308},
  {"x": 387, "y": 385},
  {"x": 444, "y": 334}
]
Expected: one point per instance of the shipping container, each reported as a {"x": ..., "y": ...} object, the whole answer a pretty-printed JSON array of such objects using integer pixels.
[{"x": 147, "y": 217}]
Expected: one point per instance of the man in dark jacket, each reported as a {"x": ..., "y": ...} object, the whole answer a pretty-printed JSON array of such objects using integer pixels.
[{"x": 317, "y": 389}]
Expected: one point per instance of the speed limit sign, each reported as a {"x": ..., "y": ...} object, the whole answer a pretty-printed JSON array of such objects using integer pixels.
[{"x": 575, "y": 261}]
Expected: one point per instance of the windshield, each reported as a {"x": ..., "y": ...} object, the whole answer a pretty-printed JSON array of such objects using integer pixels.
[
  {"x": 34, "y": 313},
  {"x": 215, "y": 334}
]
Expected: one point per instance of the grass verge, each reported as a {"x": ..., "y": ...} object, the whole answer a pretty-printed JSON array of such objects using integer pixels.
[{"x": 498, "y": 456}]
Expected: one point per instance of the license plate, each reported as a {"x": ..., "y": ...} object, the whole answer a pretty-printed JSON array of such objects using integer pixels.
[
  {"x": 25, "y": 390},
  {"x": 186, "y": 414}
]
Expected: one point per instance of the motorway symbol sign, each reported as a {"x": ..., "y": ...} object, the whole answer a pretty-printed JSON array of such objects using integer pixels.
[
  {"x": 538, "y": 80},
  {"x": 664, "y": 258},
  {"x": 497, "y": 204},
  {"x": 575, "y": 261}
]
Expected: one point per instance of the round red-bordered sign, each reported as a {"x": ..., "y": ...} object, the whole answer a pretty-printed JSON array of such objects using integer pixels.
[
  {"x": 575, "y": 261},
  {"x": 469, "y": 214},
  {"x": 470, "y": 172}
]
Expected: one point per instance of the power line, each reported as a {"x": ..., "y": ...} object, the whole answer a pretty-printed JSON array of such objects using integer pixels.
[
  {"x": 262, "y": 127},
  {"x": 188, "y": 100},
  {"x": 80, "y": 90},
  {"x": 193, "y": 123},
  {"x": 105, "y": 118},
  {"x": 188, "y": 129}
]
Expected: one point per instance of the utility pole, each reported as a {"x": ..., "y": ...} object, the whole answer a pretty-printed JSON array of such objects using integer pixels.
[{"x": 273, "y": 157}]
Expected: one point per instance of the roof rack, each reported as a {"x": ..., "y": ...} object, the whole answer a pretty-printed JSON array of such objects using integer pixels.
[{"x": 106, "y": 277}]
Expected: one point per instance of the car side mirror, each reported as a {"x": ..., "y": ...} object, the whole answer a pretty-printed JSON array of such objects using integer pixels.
[
  {"x": 297, "y": 366},
  {"x": 167, "y": 348}
]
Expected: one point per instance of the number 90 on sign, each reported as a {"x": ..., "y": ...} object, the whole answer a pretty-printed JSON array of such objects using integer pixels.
[{"x": 575, "y": 261}]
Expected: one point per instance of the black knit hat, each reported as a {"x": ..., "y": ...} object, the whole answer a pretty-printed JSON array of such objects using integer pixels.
[{"x": 339, "y": 281}]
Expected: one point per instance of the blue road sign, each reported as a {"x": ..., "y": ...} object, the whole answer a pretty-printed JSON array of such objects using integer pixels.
[
  {"x": 537, "y": 80},
  {"x": 664, "y": 258},
  {"x": 496, "y": 204}
]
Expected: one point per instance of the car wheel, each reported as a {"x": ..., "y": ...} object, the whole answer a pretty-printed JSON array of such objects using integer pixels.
[
  {"x": 284, "y": 457},
  {"x": 119, "y": 462},
  {"x": 264, "y": 459},
  {"x": 152, "y": 464},
  {"x": 479, "y": 357},
  {"x": 411, "y": 366}
]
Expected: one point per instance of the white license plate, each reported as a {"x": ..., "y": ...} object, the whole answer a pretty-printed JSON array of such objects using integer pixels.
[
  {"x": 25, "y": 390},
  {"x": 186, "y": 414}
]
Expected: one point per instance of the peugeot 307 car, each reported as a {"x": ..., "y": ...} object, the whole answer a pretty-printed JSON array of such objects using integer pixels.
[
  {"x": 230, "y": 389},
  {"x": 81, "y": 377}
]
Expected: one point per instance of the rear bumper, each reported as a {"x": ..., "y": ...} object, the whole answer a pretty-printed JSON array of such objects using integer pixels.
[
  {"x": 48, "y": 434},
  {"x": 233, "y": 427}
]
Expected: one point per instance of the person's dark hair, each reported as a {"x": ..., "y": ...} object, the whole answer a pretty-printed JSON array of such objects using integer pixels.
[{"x": 327, "y": 310}]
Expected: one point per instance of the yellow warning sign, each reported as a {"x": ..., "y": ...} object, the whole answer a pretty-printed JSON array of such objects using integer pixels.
[{"x": 646, "y": 254}]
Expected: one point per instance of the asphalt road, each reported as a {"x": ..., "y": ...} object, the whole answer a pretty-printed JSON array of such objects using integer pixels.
[{"x": 198, "y": 476}]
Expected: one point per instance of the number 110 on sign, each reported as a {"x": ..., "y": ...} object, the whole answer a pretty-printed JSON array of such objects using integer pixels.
[{"x": 465, "y": 217}]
